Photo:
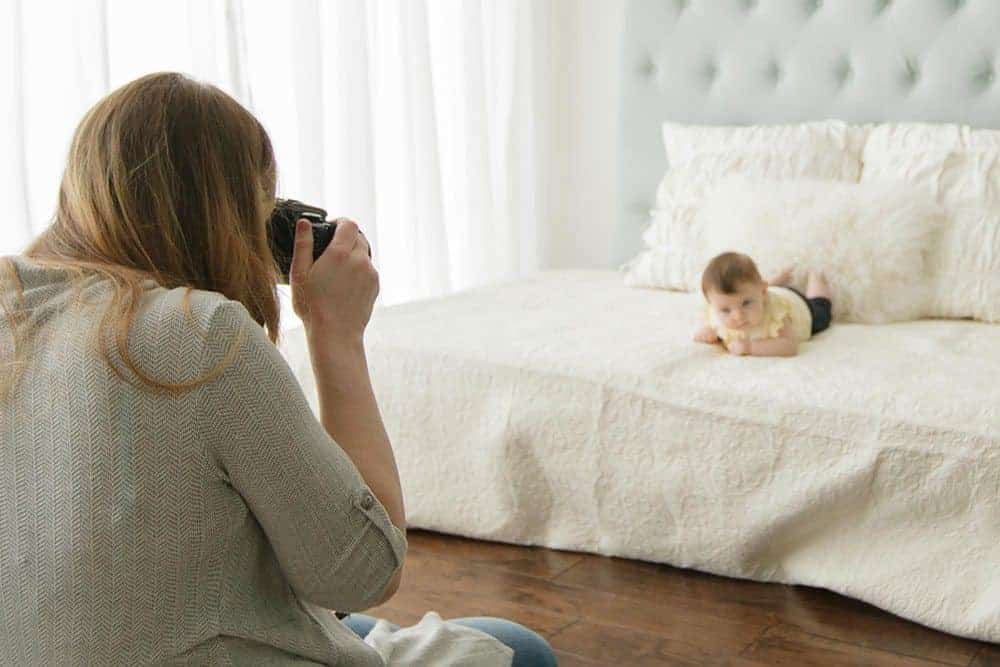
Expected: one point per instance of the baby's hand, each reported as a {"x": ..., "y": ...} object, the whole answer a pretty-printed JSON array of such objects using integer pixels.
[
  {"x": 706, "y": 335},
  {"x": 739, "y": 347}
]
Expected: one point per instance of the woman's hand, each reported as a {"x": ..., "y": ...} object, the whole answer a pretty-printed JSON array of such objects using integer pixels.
[
  {"x": 337, "y": 291},
  {"x": 334, "y": 297}
]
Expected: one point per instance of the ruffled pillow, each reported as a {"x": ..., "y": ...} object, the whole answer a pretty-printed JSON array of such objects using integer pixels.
[
  {"x": 959, "y": 168},
  {"x": 701, "y": 156}
]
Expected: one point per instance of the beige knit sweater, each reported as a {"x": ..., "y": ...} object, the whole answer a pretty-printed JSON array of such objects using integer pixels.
[{"x": 215, "y": 528}]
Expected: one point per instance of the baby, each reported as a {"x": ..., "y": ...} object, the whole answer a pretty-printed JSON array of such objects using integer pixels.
[{"x": 762, "y": 318}]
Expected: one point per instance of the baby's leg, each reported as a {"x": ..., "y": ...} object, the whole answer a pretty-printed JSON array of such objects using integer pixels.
[
  {"x": 782, "y": 278},
  {"x": 817, "y": 287}
]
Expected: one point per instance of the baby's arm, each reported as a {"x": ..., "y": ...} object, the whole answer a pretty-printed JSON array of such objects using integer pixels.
[
  {"x": 706, "y": 334},
  {"x": 785, "y": 345}
]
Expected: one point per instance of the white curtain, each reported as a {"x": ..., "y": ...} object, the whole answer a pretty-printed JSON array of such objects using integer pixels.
[{"x": 421, "y": 119}]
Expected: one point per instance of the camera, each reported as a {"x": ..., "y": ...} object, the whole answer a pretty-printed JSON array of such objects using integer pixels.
[{"x": 281, "y": 232}]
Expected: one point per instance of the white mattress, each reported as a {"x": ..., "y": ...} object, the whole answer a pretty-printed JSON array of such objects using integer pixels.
[{"x": 568, "y": 411}]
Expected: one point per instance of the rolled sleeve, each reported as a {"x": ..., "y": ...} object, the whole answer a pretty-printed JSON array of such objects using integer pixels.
[{"x": 332, "y": 537}]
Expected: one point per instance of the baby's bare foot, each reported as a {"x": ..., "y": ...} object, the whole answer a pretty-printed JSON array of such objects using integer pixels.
[
  {"x": 817, "y": 287},
  {"x": 783, "y": 277}
]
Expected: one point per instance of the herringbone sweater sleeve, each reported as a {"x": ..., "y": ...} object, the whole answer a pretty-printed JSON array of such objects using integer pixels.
[{"x": 332, "y": 538}]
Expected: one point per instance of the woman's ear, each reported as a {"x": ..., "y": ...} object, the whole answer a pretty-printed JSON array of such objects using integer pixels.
[{"x": 764, "y": 285}]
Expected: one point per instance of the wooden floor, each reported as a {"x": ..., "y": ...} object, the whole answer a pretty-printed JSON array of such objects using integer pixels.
[{"x": 609, "y": 611}]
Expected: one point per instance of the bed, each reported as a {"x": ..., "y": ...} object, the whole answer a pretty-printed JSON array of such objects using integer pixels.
[{"x": 569, "y": 411}]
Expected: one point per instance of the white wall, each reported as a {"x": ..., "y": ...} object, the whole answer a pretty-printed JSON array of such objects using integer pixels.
[{"x": 584, "y": 52}]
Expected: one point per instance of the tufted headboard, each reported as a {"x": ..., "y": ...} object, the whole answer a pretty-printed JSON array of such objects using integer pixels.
[{"x": 780, "y": 61}]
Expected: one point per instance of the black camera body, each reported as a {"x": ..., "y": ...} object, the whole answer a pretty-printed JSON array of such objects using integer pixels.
[{"x": 281, "y": 231}]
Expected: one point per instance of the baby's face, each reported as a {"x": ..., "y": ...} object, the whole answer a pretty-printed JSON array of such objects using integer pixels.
[{"x": 743, "y": 309}]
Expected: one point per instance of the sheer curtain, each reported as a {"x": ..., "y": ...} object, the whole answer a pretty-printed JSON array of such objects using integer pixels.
[{"x": 421, "y": 119}]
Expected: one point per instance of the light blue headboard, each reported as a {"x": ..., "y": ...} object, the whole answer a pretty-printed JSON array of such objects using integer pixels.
[{"x": 778, "y": 61}]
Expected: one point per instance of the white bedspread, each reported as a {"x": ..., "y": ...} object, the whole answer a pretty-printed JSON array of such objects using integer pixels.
[{"x": 569, "y": 411}]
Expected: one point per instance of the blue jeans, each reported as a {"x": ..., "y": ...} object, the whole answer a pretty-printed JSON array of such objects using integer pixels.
[{"x": 530, "y": 650}]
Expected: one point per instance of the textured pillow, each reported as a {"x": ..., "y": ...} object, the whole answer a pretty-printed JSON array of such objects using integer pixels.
[
  {"x": 701, "y": 155},
  {"x": 874, "y": 241},
  {"x": 960, "y": 168}
]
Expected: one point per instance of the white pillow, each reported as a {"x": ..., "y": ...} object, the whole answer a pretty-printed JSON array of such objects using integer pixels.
[
  {"x": 700, "y": 155},
  {"x": 960, "y": 167},
  {"x": 874, "y": 241}
]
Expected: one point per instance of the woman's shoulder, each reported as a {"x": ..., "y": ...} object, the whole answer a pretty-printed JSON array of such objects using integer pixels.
[
  {"x": 170, "y": 309},
  {"x": 188, "y": 328},
  {"x": 217, "y": 318}
]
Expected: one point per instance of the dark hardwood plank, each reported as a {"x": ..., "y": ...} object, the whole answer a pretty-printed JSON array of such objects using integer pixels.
[
  {"x": 453, "y": 587},
  {"x": 783, "y": 645},
  {"x": 456, "y": 589},
  {"x": 813, "y": 610},
  {"x": 616, "y": 645},
  {"x": 788, "y": 645},
  {"x": 988, "y": 656},
  {"x": 598, "y": 611},
  {"x": 534, "y": 561},
  {"x": 572, "y": 660},
  {"x": 580, "y": 603},
  {"x": 415, "y": 602}
]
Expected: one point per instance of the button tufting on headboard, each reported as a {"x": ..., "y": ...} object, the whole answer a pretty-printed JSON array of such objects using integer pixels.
[
  {"x": 710, "y": 71},
  {"x": 774, "y": 72},
  {"x": 844, "y": 71},
  {"x": 785, "y": 61}
]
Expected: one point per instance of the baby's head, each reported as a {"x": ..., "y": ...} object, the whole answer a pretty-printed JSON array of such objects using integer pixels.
[{"x": 734, "y": 289}]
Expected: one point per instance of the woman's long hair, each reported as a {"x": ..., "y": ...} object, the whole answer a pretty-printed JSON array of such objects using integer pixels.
[{"x": 168, "y": 179}]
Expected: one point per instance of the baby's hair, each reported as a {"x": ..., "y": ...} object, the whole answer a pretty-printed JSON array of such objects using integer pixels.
[{"x": 726, "y": 272}]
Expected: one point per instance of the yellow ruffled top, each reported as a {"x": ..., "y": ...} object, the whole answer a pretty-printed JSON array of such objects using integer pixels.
[{"x": 783, "y": 305}]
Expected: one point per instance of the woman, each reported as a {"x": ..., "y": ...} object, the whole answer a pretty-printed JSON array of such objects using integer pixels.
[{"x": 167, "y": 494}]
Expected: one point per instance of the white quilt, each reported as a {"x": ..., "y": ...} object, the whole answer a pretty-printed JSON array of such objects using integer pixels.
[{"x": 569, "y": 411}]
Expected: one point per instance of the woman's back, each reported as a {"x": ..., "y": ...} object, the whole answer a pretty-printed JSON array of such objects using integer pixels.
[{"x": 138, "y": 528}]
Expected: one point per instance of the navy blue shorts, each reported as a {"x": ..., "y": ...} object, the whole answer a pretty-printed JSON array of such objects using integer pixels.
[{"x": 820, "y": 308}]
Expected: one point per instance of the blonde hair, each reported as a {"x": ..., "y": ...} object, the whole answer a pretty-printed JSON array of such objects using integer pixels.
[
  {"x": 168, "y": 179},
  {"x": 726, "y": 272}
]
